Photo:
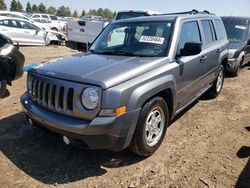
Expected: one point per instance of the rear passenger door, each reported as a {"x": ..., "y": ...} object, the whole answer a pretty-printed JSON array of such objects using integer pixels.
[
  {"x": 191, "y": 68},
  {"x": 211, "y": 48}
]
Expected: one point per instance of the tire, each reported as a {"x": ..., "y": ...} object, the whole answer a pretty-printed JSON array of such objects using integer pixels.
[
  {"x": 148, "y": 137},
  {"x": 3, "y": 87},
  {"x": 215, "y": 90}
]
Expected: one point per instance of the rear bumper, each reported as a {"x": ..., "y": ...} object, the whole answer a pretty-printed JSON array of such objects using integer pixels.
[
  {"x": 83, "y": 47},
  {"x": 112, "y": 133}
]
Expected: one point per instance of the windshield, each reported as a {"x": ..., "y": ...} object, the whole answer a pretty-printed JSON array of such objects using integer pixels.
[
  {"x": 126, "y": 15},
  {"x": 149, "y": 39},
  {"x": 236, "y": 33}
]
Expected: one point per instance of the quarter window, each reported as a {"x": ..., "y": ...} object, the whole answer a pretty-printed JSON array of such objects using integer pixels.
[
  {"x": 189, "y": 33},
  {"x": 220, "y": 29},
  {"x": 207, "y": 31}
]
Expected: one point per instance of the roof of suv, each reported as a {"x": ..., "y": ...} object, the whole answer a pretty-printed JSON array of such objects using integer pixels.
[{"x": 172, "y": 16}]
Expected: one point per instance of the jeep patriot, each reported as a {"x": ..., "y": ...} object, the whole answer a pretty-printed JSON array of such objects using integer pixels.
[{"x": 138, "y": 74}]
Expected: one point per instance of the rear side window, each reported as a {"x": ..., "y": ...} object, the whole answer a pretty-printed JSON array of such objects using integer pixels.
[
  {"x": 208, "y": 31},
  {"x": 189, "y": 33},
  {"x": 220, "y": 29}
]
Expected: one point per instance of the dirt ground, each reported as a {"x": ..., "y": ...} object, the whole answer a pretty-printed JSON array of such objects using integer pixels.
[{"x": 207, "y": 146}]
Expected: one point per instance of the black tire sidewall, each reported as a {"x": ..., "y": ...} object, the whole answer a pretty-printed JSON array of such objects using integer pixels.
[
  {"x": 3, "y": 88},
  {"x": 223, "y": 73},
  {"x": 143, "y": 148}
]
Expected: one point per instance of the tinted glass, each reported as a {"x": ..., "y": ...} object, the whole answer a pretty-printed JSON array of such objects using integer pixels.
[
  {"x": 53, "y": 17},
  {"x": 140, "y": 39},
  {"x": 236, "y": 33},
  {"x": 45, "y": 16},
  {"x": 36, "y": 16},
  {"x": 26, "y": 25},
  {"x": 189, "y": 33},
  {"x": 220, "y": 29},
  {"x": 207, "y": 31}
]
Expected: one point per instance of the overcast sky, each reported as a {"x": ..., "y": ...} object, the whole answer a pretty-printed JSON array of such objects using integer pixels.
[{"x": 220, "y": 7}]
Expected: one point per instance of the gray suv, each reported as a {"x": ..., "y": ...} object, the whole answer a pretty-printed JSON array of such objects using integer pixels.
[{"x": 136, "y": 77}]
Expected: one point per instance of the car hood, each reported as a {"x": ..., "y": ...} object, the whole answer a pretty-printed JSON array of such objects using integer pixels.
[{"x": 102, "y": 70}]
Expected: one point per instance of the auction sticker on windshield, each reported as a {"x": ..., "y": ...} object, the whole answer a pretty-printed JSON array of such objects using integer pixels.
[
  {"x": 240, "y": 27},
  {"x": 152, "y": 39}
]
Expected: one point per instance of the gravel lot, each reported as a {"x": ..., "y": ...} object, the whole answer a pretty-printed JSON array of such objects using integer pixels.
[{"x": 206, "y": 146}]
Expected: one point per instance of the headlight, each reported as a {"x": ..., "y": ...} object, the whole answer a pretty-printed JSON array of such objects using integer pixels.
[{"x": 90, "y": 98}]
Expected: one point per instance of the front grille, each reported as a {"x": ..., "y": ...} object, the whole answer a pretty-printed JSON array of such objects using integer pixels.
[
  {"x": 59, "y": 96},
  {"x": 55, "y": 97}
]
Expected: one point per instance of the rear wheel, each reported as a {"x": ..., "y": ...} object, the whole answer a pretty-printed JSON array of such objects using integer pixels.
[
  {"x": 54, "y": 29},
  {"x": 3, "y": 87},
  {"x": 151, "y": 127},
  {"x": 215, "y": 90}
]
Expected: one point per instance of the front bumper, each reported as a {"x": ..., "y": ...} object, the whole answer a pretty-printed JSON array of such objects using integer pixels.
[
  {"x": 231, "y": 64},
  {"x": 112, "y": 133}
]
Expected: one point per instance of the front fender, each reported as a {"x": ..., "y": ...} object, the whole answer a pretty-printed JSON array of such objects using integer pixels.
[{"x": 149, "y": 89}]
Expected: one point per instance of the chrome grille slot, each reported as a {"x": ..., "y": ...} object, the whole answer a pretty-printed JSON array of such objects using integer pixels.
[{"x": 59, "y": 96}]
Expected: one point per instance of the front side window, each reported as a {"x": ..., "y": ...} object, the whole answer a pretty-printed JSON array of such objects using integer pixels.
[
  {"x": 140, "y": 39},
  {"x": 189, "y": 33},
  {"x": 45, "y": 16},
  {"x": 36, "y": 16}
]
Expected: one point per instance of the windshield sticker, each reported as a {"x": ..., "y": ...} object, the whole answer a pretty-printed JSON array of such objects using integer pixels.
[
  {"x": 240, "y": 27},
  {"x": 152, "y": 39}
]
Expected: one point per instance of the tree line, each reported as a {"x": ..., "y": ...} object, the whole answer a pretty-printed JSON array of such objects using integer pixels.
[{"x": 64, "y": 11}]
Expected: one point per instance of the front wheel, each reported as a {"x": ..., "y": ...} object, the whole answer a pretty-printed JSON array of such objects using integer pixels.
[
  {"x": 215, "y": 90},
  {"x": 3, "y": 87},
  {"x": 151, "y": 127}
]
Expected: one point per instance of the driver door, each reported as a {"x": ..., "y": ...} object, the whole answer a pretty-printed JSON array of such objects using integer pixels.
[{"x": 191, "y": 68}]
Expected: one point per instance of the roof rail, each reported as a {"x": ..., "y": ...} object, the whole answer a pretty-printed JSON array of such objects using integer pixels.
[{"x": 194, "y": 11}]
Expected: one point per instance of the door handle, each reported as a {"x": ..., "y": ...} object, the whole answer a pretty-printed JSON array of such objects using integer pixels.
[
  {"x": 4, "y": 29},
  {"x": 26, "y": 31},
  {"x": 203, "y": 59}
]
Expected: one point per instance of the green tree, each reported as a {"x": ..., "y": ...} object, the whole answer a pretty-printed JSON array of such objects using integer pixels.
[
  {"x": 19, "y": 6},
  {"x": 83, "y": 13},
  {"x": 75, "y": 14},
  {"x": 63, "y": 11},
  {"x": 51, "y": 10},
  {"x": 28, "y": 7},
  {"x": 13, "y": 5},
  {"x": 2, "y": 5},
  {"x": 42, "y": 8},
  {"x": 34, "y": 9}
]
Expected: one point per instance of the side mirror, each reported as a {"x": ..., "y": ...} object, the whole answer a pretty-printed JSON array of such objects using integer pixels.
[{"x": 191, "y": 48}]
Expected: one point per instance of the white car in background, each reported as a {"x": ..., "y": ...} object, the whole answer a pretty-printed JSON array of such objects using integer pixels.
[
  {"x": 25, "y": 32},
  {"x": 44, "y": 23},
  {"x": 57, "y": 25},
  {"x": 20, "y": 15}
]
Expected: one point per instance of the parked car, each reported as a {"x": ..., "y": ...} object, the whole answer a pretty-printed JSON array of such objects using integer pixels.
[
  {"x": 238, "y": 33},
  {"x": 83, "y": 32},
  {"x": 125, "y": 91},
  {"x": 11, "y": 63},
  {"x": 56, "y": 24},
  {"x": 44, "y": 23},
  {"x": 25, "y": 32}
]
